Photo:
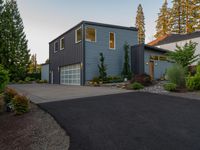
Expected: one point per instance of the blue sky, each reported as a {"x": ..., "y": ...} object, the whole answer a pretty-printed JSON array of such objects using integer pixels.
[{"x": 44, "y": 20}]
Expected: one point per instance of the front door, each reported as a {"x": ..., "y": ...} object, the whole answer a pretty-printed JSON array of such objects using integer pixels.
[{"x": 151, "y": 69}]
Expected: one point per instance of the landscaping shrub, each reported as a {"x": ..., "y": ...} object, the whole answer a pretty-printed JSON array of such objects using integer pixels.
[
  {"x": 113, "y": 79},
  {"x": 193, "y": 82},
  {"x": 1, "y": 103},
  {"x": 4, "y": 78},
  {"x": 137, "y": 86},
  {"x": 170, "y": 87},
  {"x": 21, "y": 82},
  {"x": 28, "y": 80},
  {"x": 41, "y": 81},
  {"x": 96, "y": 81},
  {"x": 176, "y": 75},
  {"x": 21, "y": 104},
  {"x": 143, "y": 79},
  {"x": 9, "y": 94}
]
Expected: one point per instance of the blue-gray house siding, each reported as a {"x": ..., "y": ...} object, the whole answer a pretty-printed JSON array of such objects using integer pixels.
[
  {"x": 141, "y": 58},
  {"x": 113, "y": 58},
  {"x": 87, "y": 53},
  {"x": 160, "y": 67}
]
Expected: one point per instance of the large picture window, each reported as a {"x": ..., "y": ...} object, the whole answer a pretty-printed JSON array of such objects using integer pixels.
[
  {"x": 90, "y": 34},
  {"x": 112, "y": 40},
  {"x": 78, "y": 35}
]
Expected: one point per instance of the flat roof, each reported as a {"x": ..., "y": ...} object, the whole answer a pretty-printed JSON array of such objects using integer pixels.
[{"x": 97, "y": 24}]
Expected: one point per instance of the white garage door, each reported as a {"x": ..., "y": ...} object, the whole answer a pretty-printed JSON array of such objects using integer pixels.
[{"x": 70, "y": 75}]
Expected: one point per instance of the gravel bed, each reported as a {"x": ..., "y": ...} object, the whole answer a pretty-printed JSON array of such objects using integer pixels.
[{"x": 36, "y": 130}]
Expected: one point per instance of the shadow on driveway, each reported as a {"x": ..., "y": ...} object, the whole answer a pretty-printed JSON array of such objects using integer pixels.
[{"x": 130, "y": 121}]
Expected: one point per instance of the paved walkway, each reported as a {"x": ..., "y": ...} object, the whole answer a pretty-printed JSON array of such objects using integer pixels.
[{"x": 42, "y": 93}]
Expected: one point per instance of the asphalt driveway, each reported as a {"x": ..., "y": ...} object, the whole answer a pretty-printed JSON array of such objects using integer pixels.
[
  {"x": 130, "y": 121},
  {"x": 42, "y": 93}
]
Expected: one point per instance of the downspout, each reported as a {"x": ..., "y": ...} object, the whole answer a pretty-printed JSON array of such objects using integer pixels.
[{"x": 83, "y": 59}]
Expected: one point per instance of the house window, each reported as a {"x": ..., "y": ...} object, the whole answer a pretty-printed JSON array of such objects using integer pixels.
[
  {"x": 112, "y": 40},
  {"x": 78, "y": 35},
  {"x": 90, "y": 34},
  {"x": 62, "y": 43},
  {"x": 55, "y": 47}
]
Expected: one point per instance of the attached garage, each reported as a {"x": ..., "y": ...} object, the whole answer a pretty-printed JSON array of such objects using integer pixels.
[{"x": 70, "y": 75}]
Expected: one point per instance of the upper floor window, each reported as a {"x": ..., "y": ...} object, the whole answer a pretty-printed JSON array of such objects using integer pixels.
[
  {"x": 62, "y": 43},
  {"x": 112, "y": 40},
  {"x": 55, "y": 47},
  {"x": 90, "y": 34},
  {"x": 78, "y": 35}
]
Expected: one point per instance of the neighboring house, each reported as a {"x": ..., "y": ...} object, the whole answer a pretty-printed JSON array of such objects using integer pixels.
[
  {"x": 74, "y": 55},
  {"x": 149, "y": 60},
  {"x": 170, "y": 41},
  {"x": 45, "y": 72}
]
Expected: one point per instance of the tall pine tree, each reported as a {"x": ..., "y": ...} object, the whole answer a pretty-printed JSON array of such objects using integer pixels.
[
  {"x": 177, "y": 20},
  {"x": 197, "y": 13},
  {"x": 140, "y": 24},
  {"x": 190, "y": 15},
  {"x": 1, "y": 30},
  {"x": 14, "y": 51},
  {"x": 162, "y": 27}
]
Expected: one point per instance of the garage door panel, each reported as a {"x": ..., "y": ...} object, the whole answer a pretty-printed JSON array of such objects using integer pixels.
[{"x": 70, "y": 75}]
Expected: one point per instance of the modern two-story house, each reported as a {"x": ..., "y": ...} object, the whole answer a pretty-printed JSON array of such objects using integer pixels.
[{"x": 74, "y": 55}]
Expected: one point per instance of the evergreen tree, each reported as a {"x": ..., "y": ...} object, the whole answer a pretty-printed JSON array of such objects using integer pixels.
[
  {"x": 102, "y": 68},
  {"x": 190, "y": 15},
  {"x": 140, "y": 24},
  {"x": 177, "y": 20},
  {"x": 162, "y": 26},
  {"x": 197, "y": 13},
  {"x": 126, "y": 73},
  {"x": 14, "y": 53},
  {"x": 33, "y": 64}
]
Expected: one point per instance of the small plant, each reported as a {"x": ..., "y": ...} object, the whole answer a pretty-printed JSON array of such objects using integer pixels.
[
  {"x": 4, "y": 78},
  {"x": 21, "y": 104},
  {"x": 137, "y": 86},
  {"x": 170, "y": 87},
  {"x": 176, "y": 75}
]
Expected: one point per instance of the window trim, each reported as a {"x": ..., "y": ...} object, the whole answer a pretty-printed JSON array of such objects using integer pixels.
[
  {"x": 54, "y": 49},
  {"x": 114, "y": 41},
  {"x": 62, "y": 48},
  {"x": 95, "y": 35},
  {"x": 76, "y": 40}
]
